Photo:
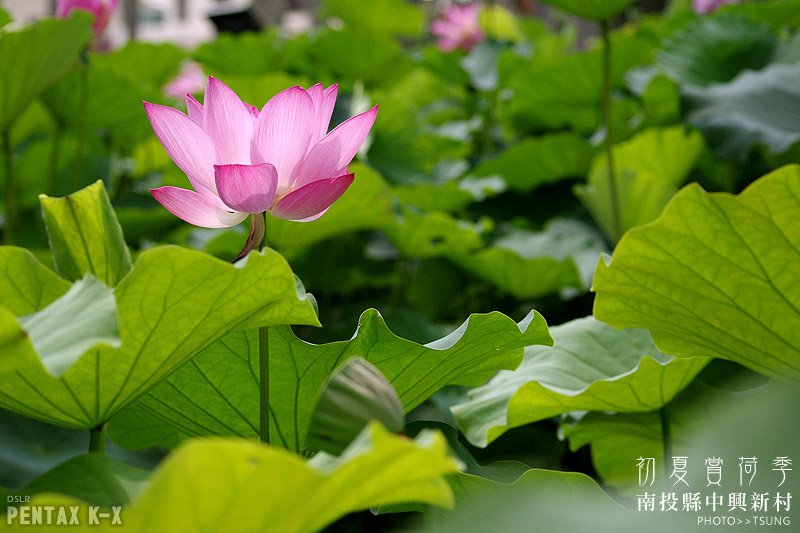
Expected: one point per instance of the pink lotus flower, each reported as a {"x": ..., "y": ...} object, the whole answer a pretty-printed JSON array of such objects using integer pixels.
[
  {"x": 101, "y": 9},
  {"x": 707, "y": 6},
  {"x": 458, "y": 28},
  {"x": 241, "y": 161},
  {"x": 190, "y": 80}
]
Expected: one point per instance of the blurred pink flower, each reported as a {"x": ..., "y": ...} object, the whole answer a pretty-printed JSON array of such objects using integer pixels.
[
  {"x": 458, "y": 27},
  {"x": 190, "y": 80},
  {"x": 241, "y": 161},
  {"x": 707, "y": 6},
  {"x": 101, "y": 9}
]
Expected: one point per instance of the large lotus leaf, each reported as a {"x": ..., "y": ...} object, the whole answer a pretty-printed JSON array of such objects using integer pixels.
[
  {"x": 34, "y": 57},
  {"x": 405, "y": 148},
  {"x": 545, "y": 41},
  {"x": 531, "y": 264},
  {"x": 788, "y": 50},
  {"x": 450, "y": 196},
  {"x": 59, "y": 334},
  {"x": 173, "y": 303},
  {"x": 217, "y": 392},
  {"x": 753, "y": 423},
  {"x": 113, "y": 104},
  {"x": 145, "y": 63},
  {"x": 35, "y": 173},
  {"x": 666, "y": 152},
  {"x": 35, "y": 122},
  {"x": 504, "y": 471},
  {"x": 703, "y": 422},
  {"x": 34, "y": 288},
  {"x": 445, "y": 66},
  {"x": 661, "y": 102},
  {"x": 500, "y": 23},
  {"x": 26, "y": 284},
  {"x": 481, "y": 65},
  {"x": 117, "y": 84},
  {"x": 15, "y": 346},
  {"x": 756, "y": 107},
  {"x": 565, "y": 90},
  {"x": 540, "y": 160},
  {"x": 649, "y": 169},
  {"x": 539, "y": 500},
  {"x": 85, "y": 317},
  {"x": 715, "y": 275},
  {"x": 591, "y": 9},
  {"x": 85, "y": 236},
  {"x": 367, "y": 204},
  {"x": 591, "y": 366},
  {"x": 777, "y": 14},
  {"x": 271, "y": 490},
  {"x": 242, "y": 53},
  {"x": 32, "y": 448},
  {"x": 94, "y": 478},
  {"x": 375, "y": 62},
  {"x": 617, "y": 440},
  {"x": 432, "y": 234},
  {"x": 379, "y": 18},
  {"x": 716, "y": 49}
]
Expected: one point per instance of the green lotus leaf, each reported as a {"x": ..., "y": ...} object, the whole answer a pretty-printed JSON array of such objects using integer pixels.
[
  {"x": 649, "y": 169},
  {"x": 85, "y": 317},
  {"x": 716, "y": 49},
  {"x": 539, "y": 500},
  {"x": 217, "y": 392},
  {"x": 756, "y": 107},
  {"x": 591, "y": 366},
  {"x": 564, "y": 91},
  {"x": 93, "y": 478},
  {"x": 702, "y": 421},
  {"x": 531, "y": 264},
  {"x": 173, "y": 303},
  {"x": 434, "y": 233},
  {"x": 265, "y": 489},
  {"x": 85, "y": 236},
  {"x": 591, "y": 9},
  {"x": 539, "y": 161},
  {"x": 715, "y": 275},
  {"x": 33, "y": 58},
  {"x": 379, "y": 18}
]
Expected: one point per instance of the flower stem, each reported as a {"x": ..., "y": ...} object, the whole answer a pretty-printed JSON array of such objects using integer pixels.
[
  {"x": 256, "y": 240},
  {"x": 82, "y": 127},
  {"x": 609, "y": 137},
  {"x": 10, "y": 226},
  {"x": 97, "y": 439},
  {"x": 263, "y": 361}
]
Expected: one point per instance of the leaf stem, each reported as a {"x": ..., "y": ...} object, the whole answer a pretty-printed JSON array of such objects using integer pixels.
[
  {"x": 615, "y": 229},
  {"x": 10, "y": 225},
  {"x": 263, "y": 362},
  {"x": 82, "y": 127},
  {"x": 97, "y": 439}
]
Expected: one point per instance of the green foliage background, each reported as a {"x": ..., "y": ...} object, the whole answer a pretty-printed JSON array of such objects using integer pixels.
[{"x": 544, "y": 321}]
